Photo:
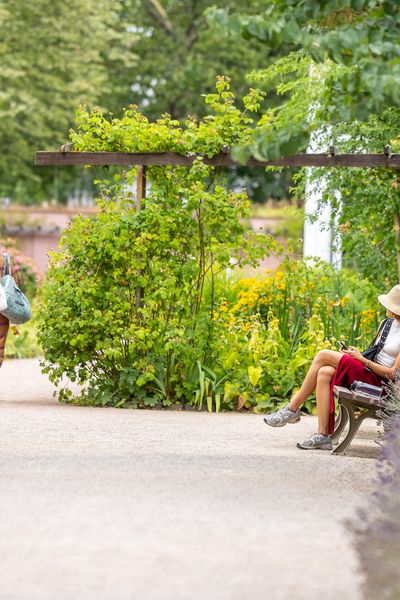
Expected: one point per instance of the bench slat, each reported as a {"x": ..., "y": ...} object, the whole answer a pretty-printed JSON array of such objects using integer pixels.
[{"x": 342, "y": 392}]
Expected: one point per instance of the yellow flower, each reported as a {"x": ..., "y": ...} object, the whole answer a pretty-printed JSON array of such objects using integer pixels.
[
  {"x": 223, "y": 307},
  {"x": 367, "y": 317}
]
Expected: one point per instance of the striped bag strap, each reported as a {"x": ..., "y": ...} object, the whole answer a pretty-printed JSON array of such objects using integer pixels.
[
  {"x": 6, "y": 264},
  {"x": 385, "y": 333},
  {"x": 5, "y": 261}
]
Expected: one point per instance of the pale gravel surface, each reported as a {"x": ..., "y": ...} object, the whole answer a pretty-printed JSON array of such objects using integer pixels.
[{"x": 150, "y": 505}]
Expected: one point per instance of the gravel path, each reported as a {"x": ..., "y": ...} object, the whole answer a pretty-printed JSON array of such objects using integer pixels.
[{"x": 150, "y": 505}]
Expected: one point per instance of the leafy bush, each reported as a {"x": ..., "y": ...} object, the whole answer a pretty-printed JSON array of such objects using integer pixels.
[
  {"x": 144, "y": 350},
  {"x": 226, "y": 125},
  {"x": 24, "y": 345},
  {"x": 124, "y": 307},
  {"x": 275, "y": 325}
]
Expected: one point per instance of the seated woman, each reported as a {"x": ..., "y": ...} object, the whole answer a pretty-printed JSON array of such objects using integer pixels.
[{"x": 331, "y": 368}]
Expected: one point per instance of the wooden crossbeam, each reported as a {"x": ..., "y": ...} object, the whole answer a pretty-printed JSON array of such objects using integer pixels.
[{"x": 383, "y": 160}]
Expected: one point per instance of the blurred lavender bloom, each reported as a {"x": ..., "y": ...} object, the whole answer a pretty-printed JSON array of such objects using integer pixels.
[{"x": 376, "y": 527}]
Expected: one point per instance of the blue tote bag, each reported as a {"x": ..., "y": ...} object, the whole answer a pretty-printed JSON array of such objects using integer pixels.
[{"x": 18, "y": 309}]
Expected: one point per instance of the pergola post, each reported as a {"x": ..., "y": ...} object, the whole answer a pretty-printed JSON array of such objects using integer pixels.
[
  {"x": 140, "y": 186},
  {"x": 140, "y": 195}
]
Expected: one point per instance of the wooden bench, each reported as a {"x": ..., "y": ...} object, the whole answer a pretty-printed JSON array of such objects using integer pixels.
[{"x": 348, "y": 401}]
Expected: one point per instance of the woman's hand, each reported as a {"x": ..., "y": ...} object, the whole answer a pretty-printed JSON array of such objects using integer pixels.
[{"x": 354, "y": 353}]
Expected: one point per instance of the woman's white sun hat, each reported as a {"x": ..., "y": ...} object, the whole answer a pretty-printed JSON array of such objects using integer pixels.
[{"x": 391, "y": 301}]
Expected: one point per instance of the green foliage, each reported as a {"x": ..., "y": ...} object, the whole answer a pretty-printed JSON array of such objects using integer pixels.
[
  {"x": 227, "y": 125},
  {"x": 353, "y": 47},
  {"x": 128, "y": 306},
  {"x": 109, "y": 53},
  {"x": 282, "y": 128},
  {"x": 368, "y": 222},
  {"x": 181, "y": 55},
  {"x": 53, "y": 56},
  {"x": 171, "y": 343},
  {"x": 25, "y": 344},
  {"x": 276, "y": 325},
  {"x": 365, "y": 202}
]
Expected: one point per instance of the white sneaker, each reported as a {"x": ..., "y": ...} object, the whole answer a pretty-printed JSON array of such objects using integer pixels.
[
  {"x": 318, "y": 441},
  {"x": 282, "y": 416}
]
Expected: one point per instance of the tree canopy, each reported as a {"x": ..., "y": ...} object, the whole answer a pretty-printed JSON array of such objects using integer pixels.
[
  {"x": 346, "y": 52},
  {"x": 53, "y": 56},
  {"x": 181, "y": 55},
  {"x": 339, "y": 79},
  {"x": 161, "y": 56}
]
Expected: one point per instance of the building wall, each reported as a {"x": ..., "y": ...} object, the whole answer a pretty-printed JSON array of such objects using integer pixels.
[{"x": 38, "y": 230}]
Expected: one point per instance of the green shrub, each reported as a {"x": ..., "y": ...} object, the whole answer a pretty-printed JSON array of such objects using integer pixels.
[
  {"x": 124, "y": 306},
  {"x": 92, "y": 327}
]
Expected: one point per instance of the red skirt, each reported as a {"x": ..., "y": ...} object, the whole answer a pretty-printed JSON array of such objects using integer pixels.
[{"x": 350, "y": 369}]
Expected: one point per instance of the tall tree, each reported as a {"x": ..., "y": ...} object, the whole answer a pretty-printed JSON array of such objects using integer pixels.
[
  {"x": 339, "y": 77},
  {"x": 53, "y": 56},
  {"x": 181, "y": 55},
  {"x": 159, "y": 54},
  {"x": 354, "y": 47}
]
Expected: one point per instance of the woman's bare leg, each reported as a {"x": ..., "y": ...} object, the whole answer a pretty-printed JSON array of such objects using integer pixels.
[
  {"x": 324, "y": 358},
  {"x": 323, "y": 393}
]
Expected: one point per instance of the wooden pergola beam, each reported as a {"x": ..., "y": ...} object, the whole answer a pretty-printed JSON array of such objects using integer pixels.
[{"x": 127, "y": 159}]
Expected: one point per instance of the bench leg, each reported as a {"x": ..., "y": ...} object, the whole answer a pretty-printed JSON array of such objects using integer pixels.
[
  {"x": 354, "y": 426},
  {"x": 340, "y": 424}
]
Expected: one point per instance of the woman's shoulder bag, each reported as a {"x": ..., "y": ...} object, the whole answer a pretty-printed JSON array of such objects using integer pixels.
[
  {"x": 373, "y": 350},
  {"x": 18, "y": 309}
]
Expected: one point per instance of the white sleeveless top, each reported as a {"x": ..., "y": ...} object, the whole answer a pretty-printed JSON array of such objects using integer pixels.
[{"x": 391, "y": 349}]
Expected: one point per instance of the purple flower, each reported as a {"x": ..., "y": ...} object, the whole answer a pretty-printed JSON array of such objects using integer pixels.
[{"x": 376, "y": 528}]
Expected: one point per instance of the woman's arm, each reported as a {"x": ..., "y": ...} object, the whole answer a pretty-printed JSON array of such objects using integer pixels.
[{"x": 376, "y": 368}]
